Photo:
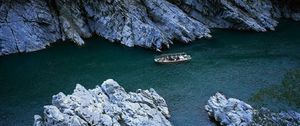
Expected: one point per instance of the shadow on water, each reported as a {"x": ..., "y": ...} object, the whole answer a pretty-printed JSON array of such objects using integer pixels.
[
  {"x": 287, "y": 93},
  {"x": 236, "y": 63}
]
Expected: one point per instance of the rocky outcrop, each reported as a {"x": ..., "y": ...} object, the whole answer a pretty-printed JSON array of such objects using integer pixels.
[
  {"x": 142, "y": 22},
  {"x": 27, "y": 25},
  {"x": 229, "y": 112},
  {"x": 30, "y": 25},
  {"x": 105, "y": 105},
  {"x": 239, "y": 14},
  {"x": 265, "y": 117},
  {"x": 233, "y": 112}
]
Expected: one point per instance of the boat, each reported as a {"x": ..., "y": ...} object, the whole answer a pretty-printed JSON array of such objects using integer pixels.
[{"x": 172, "y": 58}]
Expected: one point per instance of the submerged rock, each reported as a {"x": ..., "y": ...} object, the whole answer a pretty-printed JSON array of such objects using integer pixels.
[
  {"x": 30, "y": 25},
  {"x": 105, "y": 105},
  {"x": 233, "y": 112}
]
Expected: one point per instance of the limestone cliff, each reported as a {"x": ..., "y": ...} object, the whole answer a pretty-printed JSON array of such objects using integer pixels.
[{"x": 30, "y": 25}]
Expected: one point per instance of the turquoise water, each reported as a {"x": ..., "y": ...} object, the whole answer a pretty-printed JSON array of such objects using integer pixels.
[{"x": 233, "y": 62}]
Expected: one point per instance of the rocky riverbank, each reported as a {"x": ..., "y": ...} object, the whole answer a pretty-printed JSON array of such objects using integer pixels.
[
  {"x": 30, "y": 25},
  {"x": 233, "y": 112},
  {"x": 105, "y": 105}
]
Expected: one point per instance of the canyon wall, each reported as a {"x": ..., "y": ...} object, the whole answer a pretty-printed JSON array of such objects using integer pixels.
[{"x": 30, "y": 25}]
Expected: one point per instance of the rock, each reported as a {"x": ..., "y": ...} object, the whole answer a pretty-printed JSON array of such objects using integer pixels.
[
  {"x": 239, "y": 14},
  {"x": 264, "y": 117},
  {"x": 144, "y": 23},
  {"x": 72, "y": 20},
  {"x": 38, "y": 121},
  {"x": 27, "y": 25},
  {"x": 290, "y": 9},
  {"x": 107, "y": 105},
  {"x": 233, "y": 112},
  {"x": 30, "y": 25},
  {"x": 229, "y": 112}
]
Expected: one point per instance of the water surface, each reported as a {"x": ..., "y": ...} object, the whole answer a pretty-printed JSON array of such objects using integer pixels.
[{"x": 233, "y": 62}]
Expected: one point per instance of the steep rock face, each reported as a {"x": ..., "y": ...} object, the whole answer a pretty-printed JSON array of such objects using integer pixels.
[
  {"x": 106, "y": 105},
  {"x": 258, "y": 15},
  {"x": 290, "y": 9},
  {"x": 72, "y": 20},
  {"x": 142, "y": 22},
  {"x": 29, "y": 25}
]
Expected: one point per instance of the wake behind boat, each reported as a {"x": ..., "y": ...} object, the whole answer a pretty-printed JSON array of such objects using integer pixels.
[{"x": 172, "y": 58}]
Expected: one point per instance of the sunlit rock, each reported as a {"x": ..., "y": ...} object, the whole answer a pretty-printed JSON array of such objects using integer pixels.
[
  {"x": 229, "y": 111},
  {"x": 233, "y": 112},
  {"x": 107, "y": 105}
]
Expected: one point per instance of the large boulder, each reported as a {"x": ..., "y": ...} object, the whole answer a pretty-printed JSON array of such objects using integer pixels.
[
  {"x": 234, "y": 112},
  {"x": 105, "y": 105},
  {"x": 229, "y": 111}
]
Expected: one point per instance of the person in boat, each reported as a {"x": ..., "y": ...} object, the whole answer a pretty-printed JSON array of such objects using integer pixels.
[
  {"x": 169, "y": 58},
  {"x": 177, "y": 58},
  {"x": 181, "y": 57},
  {"x": 173, "y": 58}
]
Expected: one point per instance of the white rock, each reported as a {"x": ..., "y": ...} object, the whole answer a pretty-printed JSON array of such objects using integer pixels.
[
  {"x": 229, "y": 112},
  {"x": 106, "y": 105}
]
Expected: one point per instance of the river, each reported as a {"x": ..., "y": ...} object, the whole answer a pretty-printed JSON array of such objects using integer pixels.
[{"x": 235, "y": 63}]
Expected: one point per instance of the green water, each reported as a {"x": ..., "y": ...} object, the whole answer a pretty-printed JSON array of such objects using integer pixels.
[{"x": 233, "y": 62}]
